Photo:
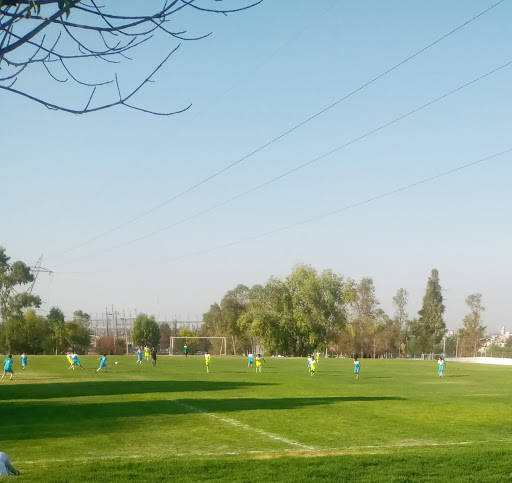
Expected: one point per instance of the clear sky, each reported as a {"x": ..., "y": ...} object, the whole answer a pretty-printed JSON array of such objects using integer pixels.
[{"x": 67, "y": 179}]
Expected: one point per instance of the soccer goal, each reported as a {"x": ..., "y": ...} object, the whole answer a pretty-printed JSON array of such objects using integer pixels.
[
  {"x": 431, "y": 357},
  {"x": 218, "y": 344}
]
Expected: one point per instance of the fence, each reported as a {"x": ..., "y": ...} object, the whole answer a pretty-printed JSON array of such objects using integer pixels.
[{"x": 500, "y": 361}]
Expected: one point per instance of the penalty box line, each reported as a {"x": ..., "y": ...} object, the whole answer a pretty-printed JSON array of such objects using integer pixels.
[{"x": 239, "y": 424}]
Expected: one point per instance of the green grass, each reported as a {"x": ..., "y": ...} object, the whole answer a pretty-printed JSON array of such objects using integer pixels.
[{"x": 398, "y": 422}]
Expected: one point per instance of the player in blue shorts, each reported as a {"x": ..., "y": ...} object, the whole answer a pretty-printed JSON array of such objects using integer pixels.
[
  {"x": 441, "y": 367},
  {"x": 139, "y": 356},
  {"x": 23, "y": 360},
  {"x": 76, "y": 362},
  {"x": 103, "y": 363},
  {"x": 249, "y": 359},
  {"x": 8, "y": 367},
  {"x": 356, "y": 367}
]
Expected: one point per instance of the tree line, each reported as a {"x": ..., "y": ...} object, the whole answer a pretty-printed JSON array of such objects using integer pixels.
[
  {"x": 294, "y": 316},
  {"x": 324, "y": 311}
]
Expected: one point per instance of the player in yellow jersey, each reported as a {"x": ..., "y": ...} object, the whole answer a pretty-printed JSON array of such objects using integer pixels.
[
  {"x": 258, "y": 362},
  {"x": 207, "y": 360},
  {"x": 69, "y": 357}
]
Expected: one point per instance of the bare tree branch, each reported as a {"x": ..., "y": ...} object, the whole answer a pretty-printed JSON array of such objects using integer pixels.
[{"x": 93, "y": 34}]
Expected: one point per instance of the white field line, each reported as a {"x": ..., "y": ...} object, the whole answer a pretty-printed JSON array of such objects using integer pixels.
[
  {"x": 326, "y": 452},
  {"x": 238, "y": 424}
]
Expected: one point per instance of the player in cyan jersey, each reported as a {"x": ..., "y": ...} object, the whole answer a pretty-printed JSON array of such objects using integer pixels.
[
  {"x": 76, "y": 362},
  {"x": 8, "y": 367},
  {"x": 103, "y": 363},
  {"x": 441, "y": 367}
]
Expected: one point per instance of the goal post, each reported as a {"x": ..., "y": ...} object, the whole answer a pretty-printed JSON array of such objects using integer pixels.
[
  {"x": 431, "y": 357},
  {"x": 222, "y": 349}
]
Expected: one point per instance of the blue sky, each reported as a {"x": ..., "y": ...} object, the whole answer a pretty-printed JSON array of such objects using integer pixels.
[{"x": 67, "y": 179}]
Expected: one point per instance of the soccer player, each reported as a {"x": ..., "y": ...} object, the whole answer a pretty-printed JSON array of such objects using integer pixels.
[
  {"x": 185, "y": 350},
  {"x": 356, "y": 367},
  {"x": 258, "y": 362},
  {"x": 310, "y": 360},
  {"x": 153, "y": 356},
  {"x": 139, "y": 356},
  {"x": 103, "y": 363},
  {"x": 249, "y": 359},
  {"x": 207, "y": 360},
  {"x": 317, "y": 356},
  {"x": 8, "y": 367},
  {"x": 23, "y": 360},
  {"x": 76, "y": 362},
  {"x": 146, "y": 353},
  {"x": 313, "y": 367},
  {"x": 6, "y": 469},
  {"x": 69, "y": 357},
  {"x": 441, "y": 367}
]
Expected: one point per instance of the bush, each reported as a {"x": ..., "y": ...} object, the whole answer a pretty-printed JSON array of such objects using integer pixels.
[{"x": 110, "y": 344}]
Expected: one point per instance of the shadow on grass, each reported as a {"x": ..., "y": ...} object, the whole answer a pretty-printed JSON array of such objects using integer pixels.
[
  {"x": 109, "y": 388},
  {"x": 41, "y": 420}
]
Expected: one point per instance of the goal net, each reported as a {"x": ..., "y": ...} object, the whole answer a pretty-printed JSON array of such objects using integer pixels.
[
  {"x": 431, "y": 357},
  {"x": 198, "y": 345}
]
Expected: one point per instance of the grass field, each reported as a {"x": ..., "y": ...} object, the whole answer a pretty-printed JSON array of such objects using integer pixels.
[{"x": 399, "y": 422}]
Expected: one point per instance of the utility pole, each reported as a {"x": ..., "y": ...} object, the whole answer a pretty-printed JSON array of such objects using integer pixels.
[
  {"x": 125, "y": 332},
  {"x": 106, "y": 313},
  {"x": 114, "y": 316}
]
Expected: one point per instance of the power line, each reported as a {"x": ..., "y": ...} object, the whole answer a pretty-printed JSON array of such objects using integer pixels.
[
  {"x": 318, "y": 158},
  {"x": 284, "y": 134},
  {"x": 350, "y": 206}
]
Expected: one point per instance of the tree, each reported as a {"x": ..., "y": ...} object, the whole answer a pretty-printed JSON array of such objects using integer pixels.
[
  {"x": 110, "y": 344},
  {"x": 35, "y": 333},
  {"x": 58, "y": 340},
  {"x": 232, "y": 306},
  {"x": 269, "y": 317},
  {"x": 305, "y": 312},
  {"x": 365, "y": 309},
  {"x": 387, "y": 334},
  {"x": 79, "y": 334},
  {"x": 212, "y": 321},
  {"x": 431, "y": 327},
  {"x": 59, "y": 35},
  {"x": 146, "y": 331},
  {"x": 472, "y": 334},
  {"x": 165, "y": 335},
  {"x": 13, "y": 276},
  {"x": 400, "y": 302}
]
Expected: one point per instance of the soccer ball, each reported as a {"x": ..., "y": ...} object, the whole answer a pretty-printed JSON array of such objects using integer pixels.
[{"x": 116, "y": 363}]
